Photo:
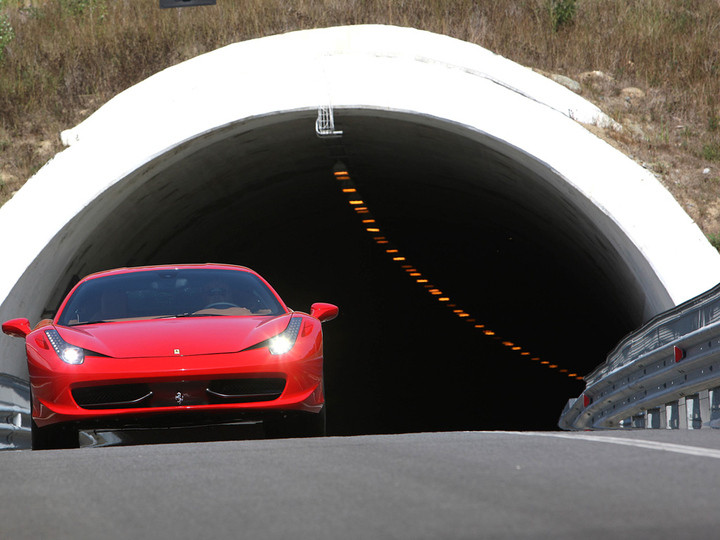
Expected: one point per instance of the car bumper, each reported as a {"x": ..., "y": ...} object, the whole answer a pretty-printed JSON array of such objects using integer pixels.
[{"x": 182, "y": 390}]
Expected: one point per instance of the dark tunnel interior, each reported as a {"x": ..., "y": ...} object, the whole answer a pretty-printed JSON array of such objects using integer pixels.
[{"x": 502, "y": 245}]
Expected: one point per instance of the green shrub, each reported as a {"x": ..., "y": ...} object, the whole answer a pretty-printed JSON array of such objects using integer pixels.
[
  {"x": 562, "y": 13},
  {"x": 713, "y": 123},
  {"x": 80, "y": 7},
  {"x": 711, "y": 152},
  {"x": 7, "y": 34},
  {"x": 714, "y": 240}
]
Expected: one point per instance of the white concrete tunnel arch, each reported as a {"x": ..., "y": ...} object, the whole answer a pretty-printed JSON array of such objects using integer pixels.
[{"x": 380, "y": 71}]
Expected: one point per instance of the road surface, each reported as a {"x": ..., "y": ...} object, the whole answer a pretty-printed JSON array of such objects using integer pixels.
[{"x": 643, "y": 484}]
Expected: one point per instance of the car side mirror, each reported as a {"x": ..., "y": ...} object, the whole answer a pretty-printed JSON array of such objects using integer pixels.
[
  {"x": 16, "y": 328},
  {"x": 324, "y": 312}
]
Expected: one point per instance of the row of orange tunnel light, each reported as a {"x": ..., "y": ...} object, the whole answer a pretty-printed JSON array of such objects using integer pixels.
[{"x": 357, "y": 203}]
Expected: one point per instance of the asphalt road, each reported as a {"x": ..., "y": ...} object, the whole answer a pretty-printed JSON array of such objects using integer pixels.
[{"x": 646, "y": 484}]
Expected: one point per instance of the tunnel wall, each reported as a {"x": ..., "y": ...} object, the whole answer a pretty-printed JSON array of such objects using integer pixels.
[{"x": 380, "y": 70}]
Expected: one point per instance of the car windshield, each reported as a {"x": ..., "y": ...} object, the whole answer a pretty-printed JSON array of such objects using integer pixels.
[{"x": 169, "y": 293}]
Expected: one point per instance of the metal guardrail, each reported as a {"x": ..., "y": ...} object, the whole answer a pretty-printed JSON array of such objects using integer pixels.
[
  {"x": 14, "y": 413},
  {"x": 664, "y": 375}
]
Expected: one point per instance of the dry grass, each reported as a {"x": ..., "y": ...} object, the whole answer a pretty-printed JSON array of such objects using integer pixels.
[{"x": 63, "y": 58}]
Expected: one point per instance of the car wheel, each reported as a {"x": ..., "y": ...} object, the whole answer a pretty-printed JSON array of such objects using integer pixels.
[
  {"x": 299, "y": 424},
  {"x": 54, "y": 437}
]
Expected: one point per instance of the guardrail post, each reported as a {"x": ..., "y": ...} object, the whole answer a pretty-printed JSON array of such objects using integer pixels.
[
  {"x": 682, "y": 413},
  {"x": 638, "y": 421},
  {"x": 714, "y": 399},
  {"x": 704, "y": 407},
  {"x": 653, "y": 419},
  {"x": 694, "y": 418},
  {"x": 672, "y": 415}
]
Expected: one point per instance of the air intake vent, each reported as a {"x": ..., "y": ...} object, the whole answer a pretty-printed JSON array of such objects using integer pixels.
[
  {"x": 118, "y": 396},
  {"x": 245, "y": 390}
]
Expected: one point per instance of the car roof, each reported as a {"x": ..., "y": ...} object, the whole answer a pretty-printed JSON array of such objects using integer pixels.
[{"x": 132, "y": 269}]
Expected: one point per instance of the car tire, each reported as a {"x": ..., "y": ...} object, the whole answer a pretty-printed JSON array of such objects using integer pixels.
[
  {"x": 54, "y": 437},
  {"x": 298, "y": 424}
]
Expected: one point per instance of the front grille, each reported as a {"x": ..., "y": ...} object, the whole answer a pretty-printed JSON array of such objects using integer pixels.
[
  {"x": 116, "y": 396},
  {"x": 179, "y": 393}
]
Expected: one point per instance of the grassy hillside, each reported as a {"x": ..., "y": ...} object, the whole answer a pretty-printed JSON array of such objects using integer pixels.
[{"x": 660, "y": 62}]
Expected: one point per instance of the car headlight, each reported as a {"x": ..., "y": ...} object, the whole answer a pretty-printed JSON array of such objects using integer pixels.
[
  {"x": 70, "y": 354},
  {"x": 285, "y": 341}
]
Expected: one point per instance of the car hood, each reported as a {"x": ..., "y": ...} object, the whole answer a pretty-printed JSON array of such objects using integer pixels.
[{"x": 176, "y": 336}]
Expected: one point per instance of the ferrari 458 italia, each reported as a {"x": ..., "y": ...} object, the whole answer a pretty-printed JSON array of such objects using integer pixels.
[{"x": 172, "y": 346}]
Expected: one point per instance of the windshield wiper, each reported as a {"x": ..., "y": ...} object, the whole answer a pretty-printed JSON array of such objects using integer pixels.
[
  {"x": 189, "y": 314},
  {"x": 100, "y": 321}
]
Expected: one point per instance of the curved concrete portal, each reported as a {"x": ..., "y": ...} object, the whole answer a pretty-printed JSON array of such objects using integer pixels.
[{"x": 479, "y": 168}]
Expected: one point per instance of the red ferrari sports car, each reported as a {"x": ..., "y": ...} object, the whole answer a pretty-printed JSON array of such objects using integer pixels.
[{"x": 173, "y": 346}]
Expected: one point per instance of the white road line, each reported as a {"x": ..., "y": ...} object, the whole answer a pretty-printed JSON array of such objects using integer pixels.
[{"x": 639, "y": 443}]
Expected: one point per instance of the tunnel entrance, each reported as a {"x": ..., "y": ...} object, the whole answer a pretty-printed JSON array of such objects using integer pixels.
[
  {"x": 484, "y": 228},
  {"x": 478, "y": 169}
]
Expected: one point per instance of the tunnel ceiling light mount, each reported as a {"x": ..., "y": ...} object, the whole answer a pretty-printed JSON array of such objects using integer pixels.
[
  {"x": 325, "y": 123},
  {"x": 324, "y": 127}
]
